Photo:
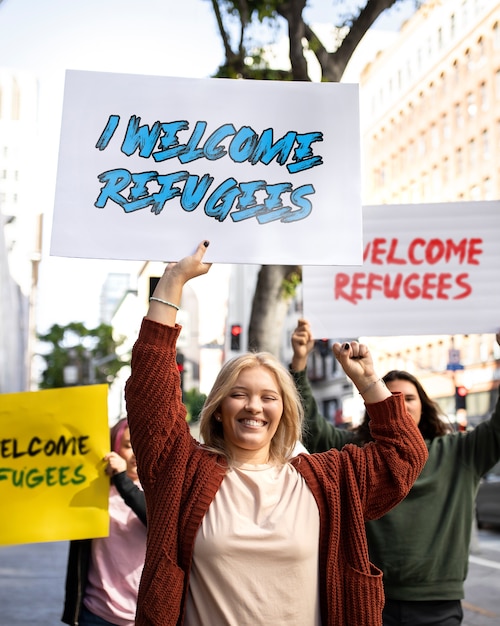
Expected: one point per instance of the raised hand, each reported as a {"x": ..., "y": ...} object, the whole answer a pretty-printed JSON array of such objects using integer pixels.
[
  {"x": 302, "y": 344},
  {"x": 166, "y": 298},
  {"x": 356, "y": 361}
]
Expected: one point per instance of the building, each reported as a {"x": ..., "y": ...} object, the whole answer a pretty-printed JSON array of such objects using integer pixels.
[
  {"x": 430, "y": 116},
  {"x": 431, "y": 108},
  {"x": 20, "y": 239}
]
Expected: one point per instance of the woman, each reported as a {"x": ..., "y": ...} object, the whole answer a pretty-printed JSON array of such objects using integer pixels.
[
  {"x": 421, "y": 545},
  {"x": 103, "y": 574},
  {"x": 238, "y": 531}
]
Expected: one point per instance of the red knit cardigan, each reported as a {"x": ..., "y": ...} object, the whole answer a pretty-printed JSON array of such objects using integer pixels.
[{"x": 180, "y": 479}]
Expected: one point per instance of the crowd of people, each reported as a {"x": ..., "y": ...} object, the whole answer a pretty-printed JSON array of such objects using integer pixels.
[{"x": 363, "y": 527}]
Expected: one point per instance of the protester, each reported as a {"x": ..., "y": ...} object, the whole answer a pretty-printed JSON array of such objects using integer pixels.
[
  {"x": 239, "y": 532},
  {"x": 421, "y": 545},
  {"x": 103, "y": 574}
]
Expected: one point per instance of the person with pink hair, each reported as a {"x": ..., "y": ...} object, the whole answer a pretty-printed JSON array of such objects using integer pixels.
[{"x": 103, "y": 574}]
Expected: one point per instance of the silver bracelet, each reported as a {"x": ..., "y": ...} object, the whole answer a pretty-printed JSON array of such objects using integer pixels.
[
  {"x": 174, "y": 306},
  {"x": 374, "y": 382}
]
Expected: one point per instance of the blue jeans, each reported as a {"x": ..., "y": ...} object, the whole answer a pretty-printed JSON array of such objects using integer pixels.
[
  {"x": 89, "y": 619},
  {"x": 423, "y": 613}
]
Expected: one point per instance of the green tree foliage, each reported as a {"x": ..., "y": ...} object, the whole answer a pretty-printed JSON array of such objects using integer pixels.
[
  {"x": 194, "y": 401},
  {"x": 91, "y": 351}
]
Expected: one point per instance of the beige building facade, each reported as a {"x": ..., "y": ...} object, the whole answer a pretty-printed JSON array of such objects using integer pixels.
[{"x": 430, "y": 115}]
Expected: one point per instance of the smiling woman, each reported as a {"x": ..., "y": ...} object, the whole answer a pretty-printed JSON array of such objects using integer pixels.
[
  {"x": 248, "y": 401},
  {"x": 265, "y": 537}
]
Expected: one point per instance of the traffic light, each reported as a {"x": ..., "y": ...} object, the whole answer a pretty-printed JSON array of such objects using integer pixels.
[
  {"x": 461, "y": 398},
  {"x": 179, "y": 358},
  {"x": 323, "y": 346},
  {"x": 236, "y": 331}
]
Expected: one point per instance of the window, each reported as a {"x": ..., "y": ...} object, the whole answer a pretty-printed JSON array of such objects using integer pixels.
[
  {"x": 497, "y": 84},
  {"x": 483, "y": 96},
  {"x": 424, "y": 186},
  {"x": 440, "y": 38},
  {"x": 434, "y": 137},
  {"x": 485, "y": 141},
  {"x": 432, "y": 94},
  {"x": 436, "y": 181},
  {"x": 496, "y": 36},
  {"x": 445, "y": 125},
  {"x": 472, "y": 153},
  {"x": 459, "y": 162},
  {"x": 446, "y": 171},
  {"x": 469, "y": 64},
  {"x": 475, "y": 193},
  {"x": 471, "y": 105},
  {"x": 487, "y": 189},
  {"x": 444, "y": 84},
  {"x": 480, "y": 53},
  {"x": 422, "y": 145},
  {"x": 458, "y": 116}
]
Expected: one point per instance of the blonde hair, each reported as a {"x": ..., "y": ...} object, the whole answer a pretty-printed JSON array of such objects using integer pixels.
[{"x": 290, "y": 427}]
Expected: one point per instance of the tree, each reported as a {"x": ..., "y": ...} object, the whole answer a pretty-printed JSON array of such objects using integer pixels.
[
  {"x": 91, "y": 352},
  {"x": 245, "y": 59}
]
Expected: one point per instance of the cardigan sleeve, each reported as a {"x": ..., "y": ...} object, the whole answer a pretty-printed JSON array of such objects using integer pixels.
[
  {"x": 386, "y": 468},
  {"x": 155, "y": 412}
]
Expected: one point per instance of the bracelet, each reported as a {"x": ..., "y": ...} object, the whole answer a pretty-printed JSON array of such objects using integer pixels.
[
  {"x": 174, "y": 306},
  {"x": 374, "y": 382}
]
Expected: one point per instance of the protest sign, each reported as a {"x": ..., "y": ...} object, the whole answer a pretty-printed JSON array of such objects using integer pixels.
[
  {"x": 52, "y": 479},
  {"x": 428, "y": 269},
  {"x": 149, "y": 166}
]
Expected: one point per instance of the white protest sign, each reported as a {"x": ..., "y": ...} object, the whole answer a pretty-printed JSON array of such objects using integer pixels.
[
  {"x": 428, "y": 269},
  {"x": 149, "y": 166}
]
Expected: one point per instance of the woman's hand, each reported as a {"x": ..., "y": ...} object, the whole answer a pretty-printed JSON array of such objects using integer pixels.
[
  {"x": 357, "y": 363},
  {"x": 115, "y": 464},
  {"x": 168, "y": 291},
  {"x": 187, "y": 268}
]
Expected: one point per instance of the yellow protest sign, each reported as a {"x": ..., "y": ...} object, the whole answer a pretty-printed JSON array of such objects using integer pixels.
[{"x": 52, "y": 481}]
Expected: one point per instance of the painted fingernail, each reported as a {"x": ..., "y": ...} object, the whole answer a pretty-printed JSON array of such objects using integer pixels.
[
  {"x": 205, "y": 243},
  {"x": 346, "y": 346}
]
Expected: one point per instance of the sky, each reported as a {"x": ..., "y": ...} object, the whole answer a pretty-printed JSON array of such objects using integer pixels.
[{"x": 46, "y": 37}]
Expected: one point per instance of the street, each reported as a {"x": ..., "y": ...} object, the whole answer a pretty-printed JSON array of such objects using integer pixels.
[
  {"x": 32, "y": 583},
  {"x": 482, "y": 587}
]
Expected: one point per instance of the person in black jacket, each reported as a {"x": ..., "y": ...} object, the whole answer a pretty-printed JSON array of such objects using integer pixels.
[{"x": 103, "y": 574}]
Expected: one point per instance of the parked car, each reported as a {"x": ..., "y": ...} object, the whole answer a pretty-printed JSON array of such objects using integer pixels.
[{"x": 488, "y": 498}]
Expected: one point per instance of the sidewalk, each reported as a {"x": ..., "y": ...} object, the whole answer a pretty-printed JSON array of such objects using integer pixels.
[{"x": 32, "y": 584}]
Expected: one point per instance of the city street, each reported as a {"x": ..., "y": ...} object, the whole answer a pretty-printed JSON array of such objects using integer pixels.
[{"x": 32, "y": 583}]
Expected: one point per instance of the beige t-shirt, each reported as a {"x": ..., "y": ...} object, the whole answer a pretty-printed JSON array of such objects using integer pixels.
[{"x": 256, "y": 553}]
